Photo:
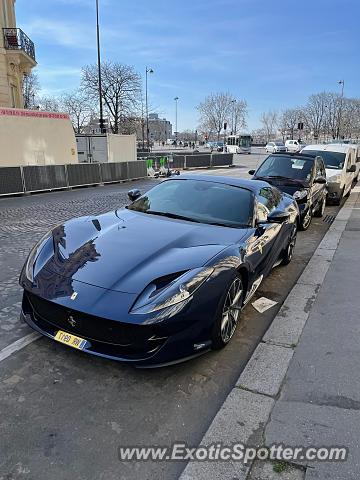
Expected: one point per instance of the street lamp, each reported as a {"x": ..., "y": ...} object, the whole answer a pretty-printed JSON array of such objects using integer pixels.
[
  {"x": 233, "y": 130},
  {"x": 342, "y": 83},
  {"x": 147, "y": 71},
  {"x": 101, "y": 120},
  {"x": 176, "y": 118}
]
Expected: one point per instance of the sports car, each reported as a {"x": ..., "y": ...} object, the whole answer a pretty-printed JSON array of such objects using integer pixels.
[{"x": 163, "y": 279}]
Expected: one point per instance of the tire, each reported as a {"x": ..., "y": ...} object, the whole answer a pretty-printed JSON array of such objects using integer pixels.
[
  {"x": 288, "y": 254},
  {"x": 305, "y": 222},
  {"x": 223, "y": 331},
  {"x": 320, "y": 211},
  {"x": 338, "y": 201}
]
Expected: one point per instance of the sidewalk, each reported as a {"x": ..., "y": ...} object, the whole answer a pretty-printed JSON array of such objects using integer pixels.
[{"x": 302, "y": 385}]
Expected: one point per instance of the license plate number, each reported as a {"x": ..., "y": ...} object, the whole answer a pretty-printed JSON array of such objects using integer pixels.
[{"x": 71, "y": 340}]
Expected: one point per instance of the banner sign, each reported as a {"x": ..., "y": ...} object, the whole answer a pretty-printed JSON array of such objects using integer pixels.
[{"x": 14, "y": 112}]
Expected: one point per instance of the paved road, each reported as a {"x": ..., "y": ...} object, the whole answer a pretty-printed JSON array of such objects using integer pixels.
[{"x": 64, "y": 413}]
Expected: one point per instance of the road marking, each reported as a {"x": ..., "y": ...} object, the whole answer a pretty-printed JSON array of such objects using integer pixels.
[{"x": 18, "y": 345}]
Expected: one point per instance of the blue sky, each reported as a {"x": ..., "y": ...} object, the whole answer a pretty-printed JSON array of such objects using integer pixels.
[{"x": 273, "y": 54}]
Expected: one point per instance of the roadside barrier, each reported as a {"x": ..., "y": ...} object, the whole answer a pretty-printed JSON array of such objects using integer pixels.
[
  {"x": 202, "y": 160},
  {"x": 34, "y": 178}
]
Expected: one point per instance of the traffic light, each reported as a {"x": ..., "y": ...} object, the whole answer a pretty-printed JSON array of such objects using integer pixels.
[{"x": 225, "y": 126}]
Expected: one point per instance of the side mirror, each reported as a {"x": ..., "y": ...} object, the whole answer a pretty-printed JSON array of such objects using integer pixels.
[
  {"x": 251, "y": 172},
  {"x": 352, "y": 169},
  {"x": 134, "y": 194},
  {"x": 320, "y": 179},
  {"x": 278, "y": 216}
]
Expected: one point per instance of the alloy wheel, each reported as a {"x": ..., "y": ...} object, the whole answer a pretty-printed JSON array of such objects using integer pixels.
[{"x": 231, "y": 310}]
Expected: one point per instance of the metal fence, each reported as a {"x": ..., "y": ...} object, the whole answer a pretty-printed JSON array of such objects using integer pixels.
[
  {"x": 51, "y": 177},
  {"x": 203, "y": 160}
]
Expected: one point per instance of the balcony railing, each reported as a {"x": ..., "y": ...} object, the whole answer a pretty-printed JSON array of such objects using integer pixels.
[{"x": 16, "y": 39}]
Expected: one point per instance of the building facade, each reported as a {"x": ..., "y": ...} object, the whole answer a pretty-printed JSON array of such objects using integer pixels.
[
  {"x": 17, "y": 57},
  {"x": 160, "y": 129}
]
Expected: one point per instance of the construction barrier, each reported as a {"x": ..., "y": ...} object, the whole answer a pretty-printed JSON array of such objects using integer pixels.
[{"x": 52, "y": 177}]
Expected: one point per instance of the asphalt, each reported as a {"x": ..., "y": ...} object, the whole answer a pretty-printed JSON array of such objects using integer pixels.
[{"x": 64, "y": 414}]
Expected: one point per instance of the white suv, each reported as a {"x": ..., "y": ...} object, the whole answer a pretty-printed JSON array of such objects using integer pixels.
[{"x": 294, "y": 146}]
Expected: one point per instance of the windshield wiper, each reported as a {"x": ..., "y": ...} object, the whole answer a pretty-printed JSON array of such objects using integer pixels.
[
  {"x": 282, "y": 177},
  {"x": 171, "y": 215}
]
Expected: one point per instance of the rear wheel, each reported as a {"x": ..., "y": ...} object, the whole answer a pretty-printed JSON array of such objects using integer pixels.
[{"x": 228, "y": 313}]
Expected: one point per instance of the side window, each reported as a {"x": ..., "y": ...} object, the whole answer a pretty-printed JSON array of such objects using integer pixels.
[{"x": 270, "y": 198}]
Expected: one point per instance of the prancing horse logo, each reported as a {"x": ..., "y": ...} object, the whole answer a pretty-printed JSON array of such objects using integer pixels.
[
  {"x": 74, "y": 295},
  {"x": 71, "y": 320}
]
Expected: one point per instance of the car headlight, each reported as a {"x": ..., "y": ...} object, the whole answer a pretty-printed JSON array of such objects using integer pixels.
[
  {"x": 300, "y": 194},
  {"x": 33, "y": 255},
  {"x": 153, "y": 299}
]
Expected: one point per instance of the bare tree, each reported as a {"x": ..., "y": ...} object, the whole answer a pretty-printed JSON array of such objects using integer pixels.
[
  {"x": 31, "y": 87},
  {"x": 215, "y": 111},
  {"x": 350, "y": 124},
  {"x": 80, "y": 107},
  {"x": 239, "y": 114},
  {"x": 289, "y": 120},
  {"x": 315, "y": 111},
  {"x": 121, "y": 87},
  {"x": 269, "y": 122},
  {"x": 49, "y": 104}
]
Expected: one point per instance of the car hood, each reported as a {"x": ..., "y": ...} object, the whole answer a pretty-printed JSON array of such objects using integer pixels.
[
  {"x": 286, "y": 187},
  {"x": 126, "y": 250},
  {"x": 333, "y": 172}
]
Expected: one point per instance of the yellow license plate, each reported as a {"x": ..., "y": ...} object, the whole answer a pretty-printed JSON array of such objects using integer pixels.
[{"x": 71, "y": 340}]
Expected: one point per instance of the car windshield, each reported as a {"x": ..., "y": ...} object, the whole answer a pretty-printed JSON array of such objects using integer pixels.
[
  {"x": 198, "y": 201},
  {"x": 333, "y": 160},
  {"x": 286, "y": 166},
  {"x": 279, "y": 144}
]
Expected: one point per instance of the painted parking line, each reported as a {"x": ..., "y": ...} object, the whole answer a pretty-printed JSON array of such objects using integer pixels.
[{"x": 18, "y": 345}]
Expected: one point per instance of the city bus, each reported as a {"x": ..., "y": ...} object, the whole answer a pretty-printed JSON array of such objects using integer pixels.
[{"x": 238, "y": 144}]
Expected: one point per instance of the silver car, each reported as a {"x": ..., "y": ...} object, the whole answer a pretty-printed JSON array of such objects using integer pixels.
[{"x": 274, "y": 147}]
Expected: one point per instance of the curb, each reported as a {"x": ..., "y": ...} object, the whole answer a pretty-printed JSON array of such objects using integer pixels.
[{"x": 247, "y": 409}]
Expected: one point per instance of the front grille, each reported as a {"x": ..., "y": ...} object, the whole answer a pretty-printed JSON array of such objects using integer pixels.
[{"x": 91, "y": 327}]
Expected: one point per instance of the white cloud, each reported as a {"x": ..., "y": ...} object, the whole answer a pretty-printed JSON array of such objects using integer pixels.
[{"x": 67, "y": 34}]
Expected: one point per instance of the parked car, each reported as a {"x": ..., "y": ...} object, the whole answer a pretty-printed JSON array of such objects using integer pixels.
[
  {"x": 340, "y": 162},
  {"x": 219, "y": 146},
  {"x": 273, "y": 147},
  {"x": 301, "y": 176},
  {"x": 294, "y": 145},
  {"x": 164, "y": 279}
]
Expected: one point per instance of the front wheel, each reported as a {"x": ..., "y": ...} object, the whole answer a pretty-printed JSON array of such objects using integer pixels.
[
  {"x": 289, "y": 252},
  {"x": 306, "y": 220},
  {"x": 228, "y": 313},
  {"x": 321, "y": 209}
]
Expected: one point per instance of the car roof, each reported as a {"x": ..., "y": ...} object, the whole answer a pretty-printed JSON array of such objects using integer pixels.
[
  {"x": 306, "y": 156},
  {"x": 331, "y": 147},
  {"x": 249, "y": 184}
]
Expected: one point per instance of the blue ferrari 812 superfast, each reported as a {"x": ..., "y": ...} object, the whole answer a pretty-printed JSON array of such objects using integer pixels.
[{"x": 165, "y": 278}]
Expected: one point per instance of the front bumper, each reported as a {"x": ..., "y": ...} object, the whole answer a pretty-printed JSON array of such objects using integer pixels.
[
  {"x": 335, "y": 191},
  {"x": 141, "y": 345}
]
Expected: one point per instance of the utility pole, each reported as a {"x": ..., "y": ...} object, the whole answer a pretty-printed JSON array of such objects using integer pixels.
[
  {"x": 176, "y": 118},
  {"x": 233, "y": 126},
  {"x": 147, "y": 71},
  {"x": 342, "y": 83},
  {"x": 101, "y": 120}
]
